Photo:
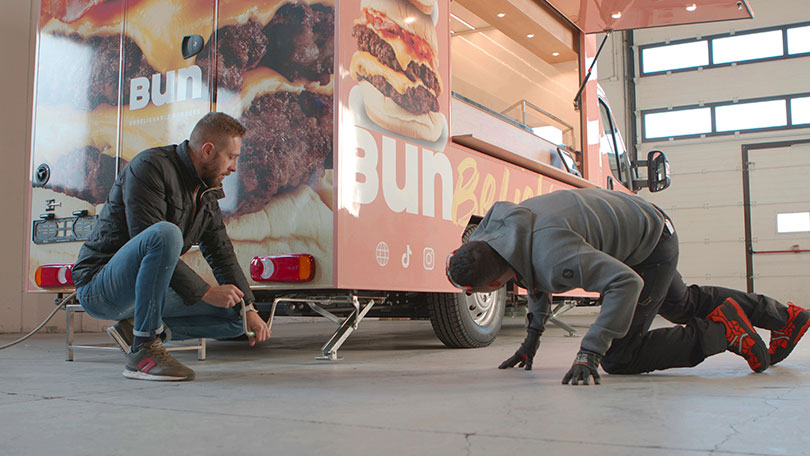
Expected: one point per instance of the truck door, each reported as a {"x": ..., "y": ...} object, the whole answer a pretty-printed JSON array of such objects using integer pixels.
[
  {"x": 779, "y": 258},
  {"x": 74, "y": 142}
]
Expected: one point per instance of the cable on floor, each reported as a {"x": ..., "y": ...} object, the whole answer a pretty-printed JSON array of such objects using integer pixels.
[{"x": 59, "y": 307}]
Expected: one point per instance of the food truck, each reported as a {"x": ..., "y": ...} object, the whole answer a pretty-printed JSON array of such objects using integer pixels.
[{"x": 378, "y": 133}]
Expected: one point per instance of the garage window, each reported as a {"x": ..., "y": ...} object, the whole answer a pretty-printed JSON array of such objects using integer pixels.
[
  {"x": 748, "y": 46},
  {"x": 675, "y": 57},
  {"x": 727, "y": 117},
  {"x": 798, "y": 40},
  {"x": 795, "y": 222},
  {"x": 800, "y": 110},
  {"x": 682, "y": 122},
  {"x": 747, "y": 116}
]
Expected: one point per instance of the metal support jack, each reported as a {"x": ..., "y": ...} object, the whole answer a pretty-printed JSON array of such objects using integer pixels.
[
  {"x": 71, "y": 346},
  {"x": 560, "y": 309},
  {"x": 347, "y": 324}
]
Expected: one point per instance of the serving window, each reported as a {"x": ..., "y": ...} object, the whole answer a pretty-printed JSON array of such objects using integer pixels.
[{"x": 521, "y": 64}]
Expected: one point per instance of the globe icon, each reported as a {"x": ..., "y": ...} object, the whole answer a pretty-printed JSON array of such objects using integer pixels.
[{"x": 383, "y": 254}]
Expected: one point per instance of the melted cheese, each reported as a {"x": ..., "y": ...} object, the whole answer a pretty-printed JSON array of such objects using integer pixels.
[
  {"x": 241, "y": 11},
  {"x": 158, "y": 26},
  {"x": 404, "y": 54},
  {"x": 365, "y": 64}
]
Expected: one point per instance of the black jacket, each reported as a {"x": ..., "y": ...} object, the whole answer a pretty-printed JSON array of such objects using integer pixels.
[{"x": 161, "y": 184}]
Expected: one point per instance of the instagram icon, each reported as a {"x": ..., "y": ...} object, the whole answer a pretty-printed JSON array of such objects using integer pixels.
[{"x": 429, "y": 259}]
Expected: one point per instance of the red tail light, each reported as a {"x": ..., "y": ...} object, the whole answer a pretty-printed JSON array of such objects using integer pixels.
[
  {"x": 297, "y": 267},
  {"x": 54, "y": 275}
]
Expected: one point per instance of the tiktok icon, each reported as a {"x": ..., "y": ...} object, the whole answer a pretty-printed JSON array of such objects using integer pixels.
[{"x": 406, "y": 257}]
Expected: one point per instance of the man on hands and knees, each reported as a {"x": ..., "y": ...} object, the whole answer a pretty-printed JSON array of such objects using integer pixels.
[
  {"x": 626, "y": 249},
  {"x": 163, "y": 202}
]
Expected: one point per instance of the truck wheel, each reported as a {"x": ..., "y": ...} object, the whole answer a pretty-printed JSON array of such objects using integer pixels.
[{"x": 462, "y": 321}]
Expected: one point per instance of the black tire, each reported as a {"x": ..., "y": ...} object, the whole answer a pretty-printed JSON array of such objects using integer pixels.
[
  {"x": 455, "y": 323},
  {"x": 462, "y": 321}
]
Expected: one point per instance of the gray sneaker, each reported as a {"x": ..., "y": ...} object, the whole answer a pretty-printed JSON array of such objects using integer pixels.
[
  {"x": 121, "y": 333},
  {"x": 153, "y": 362}
]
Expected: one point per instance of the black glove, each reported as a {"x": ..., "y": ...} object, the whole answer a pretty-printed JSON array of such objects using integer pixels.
[
  {"x": 525, "y": 354},
  {"x": 585, "y": 366}
]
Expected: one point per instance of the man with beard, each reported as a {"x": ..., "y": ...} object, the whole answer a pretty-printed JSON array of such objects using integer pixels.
[
  {"x": 163, "y": 202},
  {"x": 626, "y": 249}
]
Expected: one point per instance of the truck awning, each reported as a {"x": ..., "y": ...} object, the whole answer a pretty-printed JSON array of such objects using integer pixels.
[{"x": 594, "y": 16}]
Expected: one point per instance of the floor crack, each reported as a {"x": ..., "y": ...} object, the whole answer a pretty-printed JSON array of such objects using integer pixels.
[
  {"x": 728, "y": 438},
  {"x": 467, "y": 436},
  {"x": 736, "y": 431}
]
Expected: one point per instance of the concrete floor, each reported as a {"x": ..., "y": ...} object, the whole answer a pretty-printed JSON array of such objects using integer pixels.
[{"x": 398, "y": 391}]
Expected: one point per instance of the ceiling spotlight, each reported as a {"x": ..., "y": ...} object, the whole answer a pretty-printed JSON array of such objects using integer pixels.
[
  {"x": 616, "y": 15},
  {"x": 530, "y": 35},
  {"x": 555, "y": 54},
  {"x": 691, "y": 7},
  {"x": 501, "y": 14}
]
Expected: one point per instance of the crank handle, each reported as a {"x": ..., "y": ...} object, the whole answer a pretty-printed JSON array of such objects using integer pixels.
[{"x": 244, "y": 320}]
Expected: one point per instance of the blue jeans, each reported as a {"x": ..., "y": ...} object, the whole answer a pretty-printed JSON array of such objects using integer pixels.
[{"x": 135, "y": 283}]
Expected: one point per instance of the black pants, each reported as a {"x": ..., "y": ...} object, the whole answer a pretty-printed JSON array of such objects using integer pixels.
[{"x": 694, "y": 338}]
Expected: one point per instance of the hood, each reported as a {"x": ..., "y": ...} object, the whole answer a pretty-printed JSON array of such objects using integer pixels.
[{"x": 507, "y": 228}]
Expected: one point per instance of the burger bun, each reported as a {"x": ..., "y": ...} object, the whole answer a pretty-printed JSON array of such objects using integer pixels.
[
  {"x": 386, "y": 113},
  {"x": 425, "y": 6},
  {"x": 296, "y": 221}
]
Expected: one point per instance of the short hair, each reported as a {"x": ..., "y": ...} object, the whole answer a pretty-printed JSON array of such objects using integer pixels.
[
  {"x": 216, "y": 127},
  {"x": 476, "y": 263}
]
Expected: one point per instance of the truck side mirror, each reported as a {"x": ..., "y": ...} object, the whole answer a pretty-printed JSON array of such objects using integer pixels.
[{"x": 657, "y": 171}]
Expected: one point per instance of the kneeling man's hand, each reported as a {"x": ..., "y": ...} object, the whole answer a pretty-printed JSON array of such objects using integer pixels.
[
  {"x": 585, "y": 366},
  {"x": 258, "y": 326},
  {"x": 524, "y": 356}
]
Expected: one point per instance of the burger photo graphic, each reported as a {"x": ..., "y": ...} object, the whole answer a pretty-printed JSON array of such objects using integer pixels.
[
  {"x": 280, "y": 199},
  {"x": 396, "y": 66},
  {"x": 274, "y": 72},
  {"x": 272, "y": 69},
  {"x": 75, "y": 151}
]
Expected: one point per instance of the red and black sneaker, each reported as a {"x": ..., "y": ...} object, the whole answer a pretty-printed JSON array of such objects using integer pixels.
[
  {"x": 740, "y": 334},
  {"x": 783, "y": 340}
]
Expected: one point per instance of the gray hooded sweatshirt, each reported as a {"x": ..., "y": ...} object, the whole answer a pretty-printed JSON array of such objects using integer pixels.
[{"x": 584, "y": 238}]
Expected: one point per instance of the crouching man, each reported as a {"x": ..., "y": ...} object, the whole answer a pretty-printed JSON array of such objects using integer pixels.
[{"x": 163, "y": 202}]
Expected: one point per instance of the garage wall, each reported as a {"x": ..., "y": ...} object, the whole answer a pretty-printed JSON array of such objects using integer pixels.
[
  {"x": 19, "y": 311},
  {"x": 706, "y": 197}
]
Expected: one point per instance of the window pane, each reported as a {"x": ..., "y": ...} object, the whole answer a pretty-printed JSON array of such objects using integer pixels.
[
  {"x": 747, "y": 47},
  {"x": 606, "y": 143},
  {"x": 798, "y": 40},
  {"x": 744, "y": 116},
  {"x": 496, "y": 71},
  {"x": 800, "y": 110},
  {"x": 550, "y": 134},
  {"x": 675, "y": 56},
  {"x": 678, "y": 123},
  {"x": 796, "y": 222}
]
